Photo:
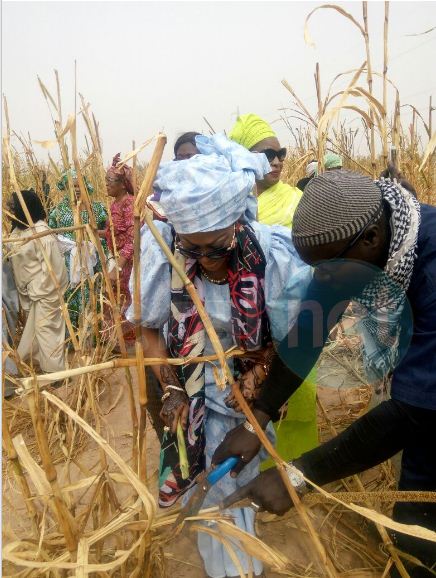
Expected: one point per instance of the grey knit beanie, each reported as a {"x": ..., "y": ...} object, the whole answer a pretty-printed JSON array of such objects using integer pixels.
[{"x": 335, "y": 206}]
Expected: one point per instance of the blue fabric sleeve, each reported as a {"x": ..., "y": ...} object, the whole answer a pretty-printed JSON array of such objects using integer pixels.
[
  {"x": 286, "y": 278},
  {"x": 155, "y": 279}
]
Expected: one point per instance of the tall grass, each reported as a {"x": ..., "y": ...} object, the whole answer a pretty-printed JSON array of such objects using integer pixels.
[
  {"x": 312, "y": 133},
  {"x": 115, "y": 530}
]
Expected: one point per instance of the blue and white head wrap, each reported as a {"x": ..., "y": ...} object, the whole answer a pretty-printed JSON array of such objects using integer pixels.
[{"x": 209, "y": 191}]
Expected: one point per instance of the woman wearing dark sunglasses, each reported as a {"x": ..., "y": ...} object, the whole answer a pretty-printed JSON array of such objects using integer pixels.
[
  {"x": 277, "y": 200},
  {"x": 297, "y": 431},
  {"x": 239, "y": 269}
]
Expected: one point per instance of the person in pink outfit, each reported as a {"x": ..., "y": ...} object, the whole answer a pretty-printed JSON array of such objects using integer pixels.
[{"x": 120, "y": 187}]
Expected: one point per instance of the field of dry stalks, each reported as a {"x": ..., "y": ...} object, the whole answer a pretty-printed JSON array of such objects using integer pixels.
[{"x": 80, "y": 461}]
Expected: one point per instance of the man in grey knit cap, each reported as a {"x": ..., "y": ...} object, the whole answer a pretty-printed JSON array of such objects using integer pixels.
[{"x": 370, "y": 242}]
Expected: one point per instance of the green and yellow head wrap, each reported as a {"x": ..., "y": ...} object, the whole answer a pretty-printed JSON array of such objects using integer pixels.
[
  {"x": 250, "y": 129},
  {"x": 62, "y": 184}
]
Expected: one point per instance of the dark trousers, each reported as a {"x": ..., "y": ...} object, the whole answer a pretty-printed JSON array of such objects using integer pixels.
[
  {"x": 387, "y": 429},
  {"x": 418, "y": 472},
  {"x": 154, "y": 404}
]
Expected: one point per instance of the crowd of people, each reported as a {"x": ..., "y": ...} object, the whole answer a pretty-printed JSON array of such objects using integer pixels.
[
  {"x": 44, "y": 270},
  {"x": 275, "y": 267}
]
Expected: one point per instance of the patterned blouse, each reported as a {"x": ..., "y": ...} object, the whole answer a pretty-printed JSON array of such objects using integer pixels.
[
  {"x": 122, "y": 219},
  {"x": 62, "y": 216}
]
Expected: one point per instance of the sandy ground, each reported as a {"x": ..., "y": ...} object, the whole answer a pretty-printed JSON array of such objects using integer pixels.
[{"x": 340, "y": 394}]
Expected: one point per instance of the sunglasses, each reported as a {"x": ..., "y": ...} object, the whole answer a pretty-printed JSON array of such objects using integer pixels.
[
  {"x": 354, "y": 240},
  {"x": 271, "y": 154},
  {"x": 214, "y": 254}
]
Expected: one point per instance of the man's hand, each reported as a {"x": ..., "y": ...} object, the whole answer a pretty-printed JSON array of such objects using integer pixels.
[
  {"x": 391, "y": 172},
  {"x": 241, "y": 443},
  {"x": 267, "y": 490}
]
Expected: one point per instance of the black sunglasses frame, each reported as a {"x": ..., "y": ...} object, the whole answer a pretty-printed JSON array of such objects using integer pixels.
[
  {"x": 354, "y": 240},
  {"x": 271, "y": 154},
  {"x": 214, "y": 254}
]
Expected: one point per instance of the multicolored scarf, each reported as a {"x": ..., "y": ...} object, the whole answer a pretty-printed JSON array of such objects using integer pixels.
[
  {"x": 186, "y": 337},
  {"x": 384, "y": 298}
]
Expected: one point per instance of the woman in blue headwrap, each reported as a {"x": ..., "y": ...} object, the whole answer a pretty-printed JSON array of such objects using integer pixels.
[
  {"x": 239, "y": 269},
  {"x": 62, "y": 216}
]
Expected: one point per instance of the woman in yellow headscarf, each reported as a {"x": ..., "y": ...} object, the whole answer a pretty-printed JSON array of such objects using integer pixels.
[
  {"x": 297, "y": 432},
  {"x": 277, "y": 200}
]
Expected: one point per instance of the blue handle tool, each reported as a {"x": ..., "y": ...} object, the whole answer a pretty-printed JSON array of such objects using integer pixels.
[
  {"x": 196, "y": 501},
  {"x": 220, "y": 471}
]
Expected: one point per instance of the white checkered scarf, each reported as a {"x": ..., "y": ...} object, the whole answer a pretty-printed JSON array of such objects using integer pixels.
[{"x": 384, "y": 298}]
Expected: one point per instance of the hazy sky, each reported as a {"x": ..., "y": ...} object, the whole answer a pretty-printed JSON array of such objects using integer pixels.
[{"x": 148, "y": 66}]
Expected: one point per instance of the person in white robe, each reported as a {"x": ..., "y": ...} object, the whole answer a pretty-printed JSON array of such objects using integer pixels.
[{"x": 40, "y": 297}]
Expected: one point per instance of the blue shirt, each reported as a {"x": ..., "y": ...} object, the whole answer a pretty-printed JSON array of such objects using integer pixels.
[{"x": 285, "y": 275}]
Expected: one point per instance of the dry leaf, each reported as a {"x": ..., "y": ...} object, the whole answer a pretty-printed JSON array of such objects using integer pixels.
[
  {"x": 46, "y": 144},
  {"x": 328, "y": 116},
  {"x": 133, "y": 153},
  {"x": 378, "y": 105},
  {"x": 429, "y": 149},
  {"x": 409, "y": 529},
  {"x": 307, "y": 37},
  {"x": 422, "y": 33},
  {"x": 361, "y": 112},
  {"x": 46, "y": 93},
  {"x": 70, "y": 122},
  {"x": 143, "y": 491}
]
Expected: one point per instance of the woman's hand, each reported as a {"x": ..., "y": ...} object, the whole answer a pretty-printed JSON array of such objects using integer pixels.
[
  {"x": 175, "y": 407},
  {"x": 118, "y": 264},
  {"x": 113, "y": 274},
  {"x": 250, "y": 385}
]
